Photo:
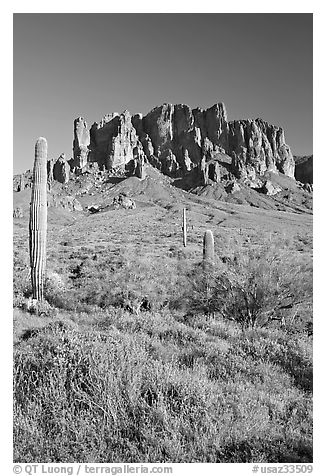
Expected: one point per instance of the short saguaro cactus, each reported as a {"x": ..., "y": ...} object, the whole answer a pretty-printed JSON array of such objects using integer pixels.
[{"x": 208, "y": 247}]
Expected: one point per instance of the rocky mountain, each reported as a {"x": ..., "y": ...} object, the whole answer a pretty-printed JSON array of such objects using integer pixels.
[
  {"x": 304, "y": 169},
  {"x": 177, "y": 140},
  {"x": 198, "y": 150}
]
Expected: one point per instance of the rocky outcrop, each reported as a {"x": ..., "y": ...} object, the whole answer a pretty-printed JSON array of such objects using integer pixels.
[
  {"x": 257, "y": 147},
  {"x": 122, "y": 201},
  {"x": 140, "y": 170},
  {"x": 61, "y": 170},
  {"x": 177, "y": 139},
  {"x": 19, "y": 183},
  {"x": 67, "y": 202},
  {"x": 212, "y": 126},
  {"x": 145, "y": 140},
  {"x": 81, "y": 143},
  {"x": 22, "y": 181},
  {"x": 304, "y": 169},
  {"x": 50, "y": 165},
  {"x": 232, "y": 187},
  {"x": 18, "y": 212},
  {"x": 114, "y": 141},
  {"x": 182, "y": 137},
  {"x": 200, "y": 144},
  {"x": 94, "y": 208},
  {"x": 270, "y": 189},
  {"x": 308, "y": 187}
]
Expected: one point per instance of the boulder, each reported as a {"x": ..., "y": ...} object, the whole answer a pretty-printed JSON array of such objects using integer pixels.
[
  {"x": 94, "y": 208},
  {"x": 233, "y": 187},
  {"x": 18, "y": 212},
  {"x": 124, "y": 202},
  {"x": 270, "y": 189},
  {"x": 67, "y": 202},
  {"x": 61, "y": 170},
  {"x": 16, "y": 184},
  {"x": 308, "y": 187}
]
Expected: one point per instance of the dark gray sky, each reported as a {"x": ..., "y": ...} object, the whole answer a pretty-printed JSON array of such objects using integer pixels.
[{"x": 70, "y": 65}]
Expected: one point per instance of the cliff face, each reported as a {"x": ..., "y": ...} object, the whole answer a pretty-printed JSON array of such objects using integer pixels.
[
  {"x": 304, "y": 169},
  {"x": 113, "y": 140},
  {"x": 176, "y": 139},
  {"x": 80, "y": 143},
  {"x": 257, "y": 147}
]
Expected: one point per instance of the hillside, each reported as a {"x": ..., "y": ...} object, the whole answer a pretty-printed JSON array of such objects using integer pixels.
[
  {"x": 145, "y": 349},
  {"x": 196, "y": 150},
  {"x": 304, "y": 168},
  {"x": 129, "y": 358}
]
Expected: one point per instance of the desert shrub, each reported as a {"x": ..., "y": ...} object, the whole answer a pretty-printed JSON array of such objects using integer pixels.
[
  {"x": 137, "y": 283},
  {"x": 101, "y": 396},
  {"x": 21, "y": 274},
  {"x": 19, "y": 300},
  {"x": 39, "y": 308},
  {"x": 150, "y": 389},
  {"x": 197, "y": 293},
  {"x": 54, "y": 283},
  {"x": 258, "y": 286},
  {"x": 56, "y": 291},
  {"x": 250, "y": 288}
]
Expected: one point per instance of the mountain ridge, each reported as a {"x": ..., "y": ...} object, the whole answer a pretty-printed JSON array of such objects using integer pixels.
[
  {"x": 199, "y": 150},
  {"x": 176, "y": 139}
]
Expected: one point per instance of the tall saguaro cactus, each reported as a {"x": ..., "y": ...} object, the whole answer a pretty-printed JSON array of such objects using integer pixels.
[
  {"x": 208, "y": 247},
  {"x": 184, "y": 227},
  {"x": 38, "y": 219}
]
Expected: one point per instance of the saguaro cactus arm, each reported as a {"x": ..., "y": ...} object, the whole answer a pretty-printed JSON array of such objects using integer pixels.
[{"x": 38, "y": 219}]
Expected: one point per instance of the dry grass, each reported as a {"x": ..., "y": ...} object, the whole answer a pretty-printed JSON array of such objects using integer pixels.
[
  {"x": 98, "y": 378},
  {"x": 152, "y": 389}
]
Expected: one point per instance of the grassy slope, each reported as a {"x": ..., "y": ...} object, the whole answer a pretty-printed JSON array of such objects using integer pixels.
[{"x": 97, "y": 383}]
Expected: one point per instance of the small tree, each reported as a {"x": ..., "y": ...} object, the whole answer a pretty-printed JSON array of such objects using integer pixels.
[
  {"x": 256, "y": 288},
  {"x": 252, "y": 290}
]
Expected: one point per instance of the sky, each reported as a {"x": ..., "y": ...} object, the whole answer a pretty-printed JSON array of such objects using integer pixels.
[{"x": 71, "y": 65}]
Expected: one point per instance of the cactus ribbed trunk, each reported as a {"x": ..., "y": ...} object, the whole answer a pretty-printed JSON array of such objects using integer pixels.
[
  {"x": 208, "y": 247},
  {"x": 38, "y": 219},
  {"x": 184, "y": 228}
]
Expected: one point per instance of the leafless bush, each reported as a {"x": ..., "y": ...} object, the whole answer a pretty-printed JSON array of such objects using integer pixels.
[{"x": 252, "y": 289}]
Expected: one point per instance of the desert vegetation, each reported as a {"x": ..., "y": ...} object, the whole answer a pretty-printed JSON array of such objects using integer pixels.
[
  {"x": 160, "y": 335},
  {"x": 138, "y": 352}
]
